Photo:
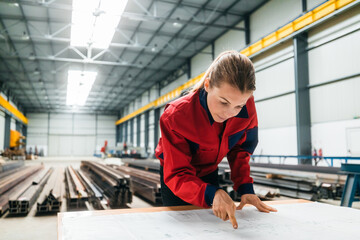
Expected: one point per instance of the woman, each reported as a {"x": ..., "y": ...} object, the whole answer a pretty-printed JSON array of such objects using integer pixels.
[{"x": 216, "y": 120}]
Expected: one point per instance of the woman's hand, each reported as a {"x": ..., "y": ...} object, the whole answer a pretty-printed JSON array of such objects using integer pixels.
[
  {"x": 224, "y": 207},
  {"x": 254, "y": 200}
]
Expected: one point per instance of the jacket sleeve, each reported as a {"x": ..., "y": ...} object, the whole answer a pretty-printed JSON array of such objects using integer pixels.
[
  {"x": 179, "y": 174},
  {"x": 238, "y": 158}
]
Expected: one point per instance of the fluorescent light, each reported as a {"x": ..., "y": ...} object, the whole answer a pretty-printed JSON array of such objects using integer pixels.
[
  {"x": 79, "y": 86},
  {"x": 94, "y": 22}
]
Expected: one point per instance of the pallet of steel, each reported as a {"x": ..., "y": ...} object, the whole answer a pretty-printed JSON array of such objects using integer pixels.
[
  {"x": 148, "y": 165},
  {"x": 9, "y": 165},
  {"x": 22, "y": 203},
  {"x": 19, "y": 187},
  {"x": 95, "y": 193},
  {"x": 51, "y": 200},
  {"x": 11, "y": 180},
  {"x": 115, "y": 185},
  {"x": 311, "y": 183},
  {"x": 9, "y": 172},
  {"x": 76, "y": 194},
  {"x": 144, "y": 183}
]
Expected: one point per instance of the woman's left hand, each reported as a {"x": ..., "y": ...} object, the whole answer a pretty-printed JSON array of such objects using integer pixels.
[{"x": 254, "y": 200}]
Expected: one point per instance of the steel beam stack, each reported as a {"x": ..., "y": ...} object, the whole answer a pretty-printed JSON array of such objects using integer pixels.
[
  {"x": 22, "y": 203},
  {"x": 144, "y": 183},
  {"x": 148, "y": 165},
  {"x": 23, "y": 178},
  {"x": 13, "y": 179},
  {"x": 298, "y": 181},
  {"x": 51, "y": 200},
  {"x": 95, "y": 193},
  {"x": 9, "y": 165},
  {"x": 115, "y": 185},
  {"x": 75, "y": 190}
]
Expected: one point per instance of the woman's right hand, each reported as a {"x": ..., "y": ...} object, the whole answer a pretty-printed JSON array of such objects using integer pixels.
[{"x": 224, "y": 207}]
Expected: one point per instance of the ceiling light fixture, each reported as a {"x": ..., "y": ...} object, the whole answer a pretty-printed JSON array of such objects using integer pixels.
[
  {"x": 177, "y": 24},
  {"x": 79, "y": 86},
  {"x": 94, "y": 22}
]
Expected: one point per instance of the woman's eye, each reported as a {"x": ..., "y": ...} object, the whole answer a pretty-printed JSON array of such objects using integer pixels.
[{"x": 224, "y": 103}]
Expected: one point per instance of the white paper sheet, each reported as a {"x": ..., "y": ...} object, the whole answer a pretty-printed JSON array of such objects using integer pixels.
[{"x": 292, "y": 221}]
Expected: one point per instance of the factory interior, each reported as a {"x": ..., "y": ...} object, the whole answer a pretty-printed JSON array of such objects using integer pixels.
[{"x": 95, "y": 115}]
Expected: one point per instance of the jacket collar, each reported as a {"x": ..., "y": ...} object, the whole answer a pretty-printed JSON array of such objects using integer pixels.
[{"x": 203, "y": 101}]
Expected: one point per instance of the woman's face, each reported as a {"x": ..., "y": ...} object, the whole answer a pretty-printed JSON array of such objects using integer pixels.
[{"x": 225, "y": 101}]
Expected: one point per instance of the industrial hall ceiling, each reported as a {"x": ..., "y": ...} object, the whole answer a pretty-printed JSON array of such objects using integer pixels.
[{"x": 150, "y": 43}]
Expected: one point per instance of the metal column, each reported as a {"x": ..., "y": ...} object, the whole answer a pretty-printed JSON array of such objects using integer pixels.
[
  {"x": 156, "y": 126},
  {"x": 132, "y": 131},
  {"x": 18, "y": 126},
  {"x": 302, "y": 97},
  {"x": 121, "y": 132},
  {"x": 7, "y": 131},
  {"x": 147, "y": 114},
  {"x": 24, "y": 133},
  {"x": 126, "y": 131},
  {"x": 117, "y": 132},
  {"x": 138, "y": 128},
  {"x": 247, "y": 29}
]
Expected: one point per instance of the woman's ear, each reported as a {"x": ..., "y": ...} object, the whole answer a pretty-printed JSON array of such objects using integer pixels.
[{"x": 206, "y": 84}]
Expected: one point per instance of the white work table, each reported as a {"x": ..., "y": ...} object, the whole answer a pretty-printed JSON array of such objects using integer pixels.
[{"x": 295, "y": 219}]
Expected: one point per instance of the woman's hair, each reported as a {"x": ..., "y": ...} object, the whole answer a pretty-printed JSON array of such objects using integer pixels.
[{"x": 233, "y": 68}]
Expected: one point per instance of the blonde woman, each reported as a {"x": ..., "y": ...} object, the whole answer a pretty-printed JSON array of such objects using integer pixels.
[{"x": 216, "y": 119}]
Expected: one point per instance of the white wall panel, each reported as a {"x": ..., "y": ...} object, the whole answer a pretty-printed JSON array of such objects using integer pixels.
[
  {"x": 83, "y": 145},
  {"x": 200, "y": 62},
  {"x": 60, "y": 145},
  {"x": 84, "y": 124},
  {"x": 275, "y": 80},
  {"x": 154, "y": 93},
  {"x": 145, "y": 98},
  {"x": 332, "y": 136},
  {"x": 12, "y": 124},
  {"x": 277, "y": 141},
  {"x": 66, "y": 141},
  {"x": 335, "y": 27},
  {"x": 231, "y": 40},
  {"x": 38, "y": 123},
  {"x": 106, "y": 124},
  {"x": 135, "y": 131},
  {"x": 273, "y": 15},
  {"x": 276, "y": 54},
  {"x": 61, "y": 124},
  {"x": 337, "y": 101},
  {"x": 277, "y": 112},
  {"x": 128, "y": 132},
  {"x": 106, "y": 130},
  {"x": 340, "y": 57},
  {"x": 37, "y": 132},
  {"x": 151, "y": 130},
  {"x": 2, "y": 129},
  {"x": 37, "y": 139}
]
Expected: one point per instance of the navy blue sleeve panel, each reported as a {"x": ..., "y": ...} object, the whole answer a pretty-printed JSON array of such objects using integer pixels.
[
  {"x": 210, "y": 194},
  {"x": 239, "y": 157},
  {"x": 247, "y": 188},
  {"x": 251, "y": 140}
]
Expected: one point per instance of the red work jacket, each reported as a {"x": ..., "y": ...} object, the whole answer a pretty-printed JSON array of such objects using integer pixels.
[{"x": 190, "y": 147}]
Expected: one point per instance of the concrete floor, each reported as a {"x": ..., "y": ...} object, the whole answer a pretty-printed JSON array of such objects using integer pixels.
[{"x": 45, "y": 227}]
